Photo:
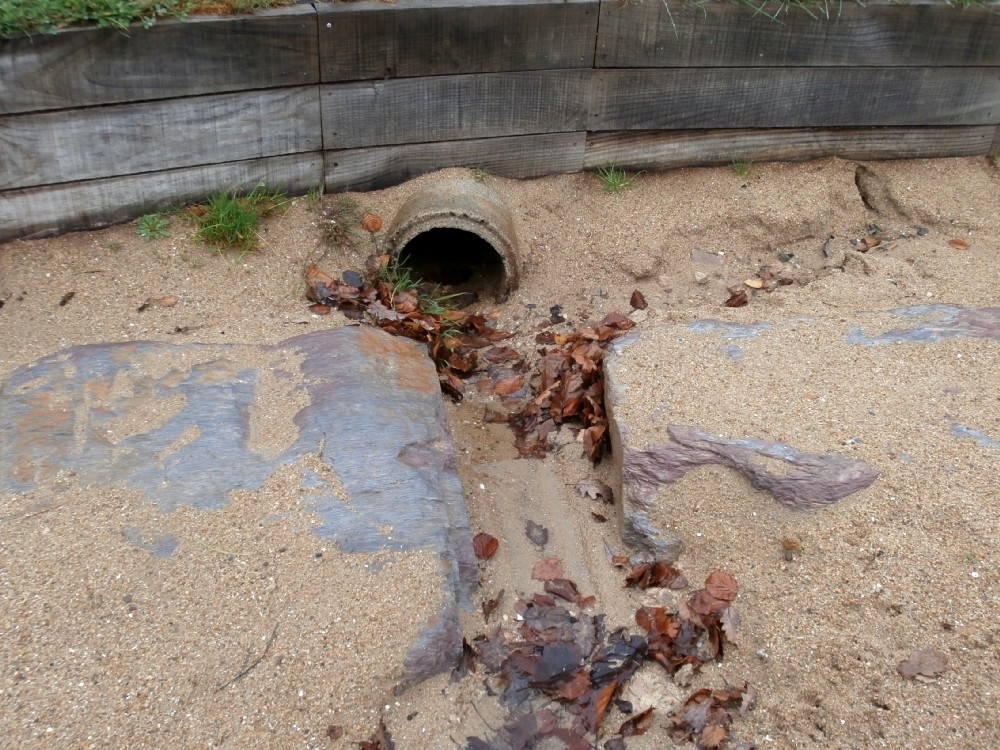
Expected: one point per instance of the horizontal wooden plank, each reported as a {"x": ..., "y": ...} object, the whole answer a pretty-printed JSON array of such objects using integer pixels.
[
  {"x": 206, "y": 54},
  {"x": 648, "y": 33},
  {"x": 517, "y": 156},
  {"x": 370, "y": 40},
  {"x": 36, "y": 212},
  {"x": 444, "y": 108},
  {"x": 73, "y": 145},
  {"x": 672, "y": 149},
  {"x": 666, "y": 99}
]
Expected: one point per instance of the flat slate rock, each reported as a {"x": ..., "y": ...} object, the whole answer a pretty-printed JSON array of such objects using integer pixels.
[
  {"x": 809, "y": 410},
  {"x": 357, "y": 411}
]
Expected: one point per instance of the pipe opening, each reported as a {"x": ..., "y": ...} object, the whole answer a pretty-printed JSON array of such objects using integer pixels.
[{"x": 455, "y": 258}]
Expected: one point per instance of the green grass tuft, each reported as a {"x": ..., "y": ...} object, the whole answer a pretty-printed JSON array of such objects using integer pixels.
[
  {"x": 231, "y": 221},
  {"x": 741, "y": 167},
  {"x": 25, "y": 17},
  {"x": 616, "y": 180}
]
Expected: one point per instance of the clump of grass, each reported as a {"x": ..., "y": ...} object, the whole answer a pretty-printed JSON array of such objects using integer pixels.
[
  {"x": 479, "y": 174},
  {"x": 152, "y": 226},
  {"x": 431, "y": 298},
  {"x": 315, "y": 195},
  {"x": 230, "y": 220},
  {"x": 340, "y": 220},
  {"x": 741, "y": 167},
  {"x": 20, "y": 17},
  {"x": 616, "y": 180}
]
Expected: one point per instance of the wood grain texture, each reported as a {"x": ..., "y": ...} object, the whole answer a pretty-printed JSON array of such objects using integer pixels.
[
  {"x": 73, "y": 145},
  {"x": 642, "y": 33},
  {"x": 662, "y": 99},
  {"x": 36, "y": 212},
  {"x": 517, "y": 156},
  {"x": 371, "y": 40},
  {"x": 444, "y": 108},
  {"x": 672, "y": 149},
  {"x": 83, "y": 67}
]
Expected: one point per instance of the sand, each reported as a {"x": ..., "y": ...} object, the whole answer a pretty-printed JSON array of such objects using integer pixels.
[{"x": 100, "y": 647}]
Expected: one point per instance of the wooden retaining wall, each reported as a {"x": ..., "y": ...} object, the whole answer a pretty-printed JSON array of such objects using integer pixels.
[{"x": 98, "y": 127}]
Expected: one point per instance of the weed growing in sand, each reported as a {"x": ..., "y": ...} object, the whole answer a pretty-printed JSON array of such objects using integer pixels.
[
  {"x": 340, "y": 221},
  {"x": 315, "y": 195},
  {"x": 741, "y": 167},
  {"x": 152, "y": 226},
  {"x": 430, "y": 298},
  {"x": 616, "y": 180},
  {"x": 230, "y": 220},
  {"x": 480, "y": 175}
]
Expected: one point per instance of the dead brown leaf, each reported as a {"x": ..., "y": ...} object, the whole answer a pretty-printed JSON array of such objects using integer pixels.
[
  {"x": 537, "y": 533},
  {"x": 737, "y": 299},
  {"x": 508, "y": 385},
  {"x": 958, "y": 244},
  {"x": 490, "y": 605},
  {"x": 563, "y": 588},
  {"x": 595, "y": 489},
  {"x": 371, "y": 222},
  {"x": 168, "y": 301},
  {"x": 547, "y": 569},
  {"x": 380, "y": 739},
  {"x": 485, "y": 545},
  {"x": 501, "y": 354},
  {"x": 722, "y": 585},
  {"x": 730, "y": 622},
  {"x": 638, "y": 724},
  {"x": 704, "y": 603},
  {"x": 655, "y": 574}
]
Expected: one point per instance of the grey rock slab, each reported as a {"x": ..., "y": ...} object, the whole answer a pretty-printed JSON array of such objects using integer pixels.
[
  {"x": 357, "y": 411},
  {"x": 809, "y": 410}
]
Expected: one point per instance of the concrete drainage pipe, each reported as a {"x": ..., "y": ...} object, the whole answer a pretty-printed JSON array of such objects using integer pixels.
[{"x": 459, "y": 234}]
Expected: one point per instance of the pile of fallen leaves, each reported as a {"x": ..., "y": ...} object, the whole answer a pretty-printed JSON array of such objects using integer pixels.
[
  {"x": 567, "y": 383},
  {"x": 563, "y": 670},
  {"x": 453, "y": 336}
]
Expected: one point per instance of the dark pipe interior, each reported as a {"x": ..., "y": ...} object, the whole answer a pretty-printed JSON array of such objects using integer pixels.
[{"x": 455, "y": 258}]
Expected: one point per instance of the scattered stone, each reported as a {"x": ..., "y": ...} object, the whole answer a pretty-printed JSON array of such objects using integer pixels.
[
  {"x": 638, "y": 316},
  {"x": 924, "y": 662},
  {"x": 368, "y": 438},
  {"x": 652, "y": 458},
  {"x": 599, "y": 291},
  {"x": 923, "y": 231},
  {"x": 701, "y": 277},
  {"x": 707, "y": 258}
]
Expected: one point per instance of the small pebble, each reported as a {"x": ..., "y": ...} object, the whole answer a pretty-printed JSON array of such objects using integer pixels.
[
  {"x": 923, "y": 231},
  {"x": 599, "y": 291},
  {"x": 637, "y": 316}
]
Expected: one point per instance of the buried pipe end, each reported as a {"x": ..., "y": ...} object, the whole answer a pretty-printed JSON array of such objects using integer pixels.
[{"x": 460, "y": 234}]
